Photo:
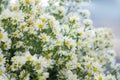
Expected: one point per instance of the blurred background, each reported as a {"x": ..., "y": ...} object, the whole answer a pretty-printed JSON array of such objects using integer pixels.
[{"x": 106, "y": 13}]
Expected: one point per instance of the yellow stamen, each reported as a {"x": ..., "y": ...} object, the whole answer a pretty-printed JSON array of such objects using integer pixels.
[
  {"x": 38, "y": 67},
  {"x": 40, "y": 26},
  {"x": 43, "y": 19},
  {"x": 1, "y": 35},
  {"x": 1, "y": 59},
  {"x": 100, "y": 78},
  {"x": 27, "y": 1},
  {"x": 44, "y": 38}
]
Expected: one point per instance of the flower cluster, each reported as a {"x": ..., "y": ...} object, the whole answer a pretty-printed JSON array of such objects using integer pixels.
[{"x": 53, "y": 42}]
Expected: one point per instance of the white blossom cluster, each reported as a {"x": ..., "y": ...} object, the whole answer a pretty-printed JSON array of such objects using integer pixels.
[{"x": 54, "y": 43}]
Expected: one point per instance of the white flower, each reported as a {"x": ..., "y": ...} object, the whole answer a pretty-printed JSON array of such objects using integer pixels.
[
  {"x": 70, "y": 76},
  {"x": 59, "y": 10},
  {"x": 100, "y": 77},
  {"x": 43, "y": 62},
  {"x": 2, "y": 60},
  {"x": 86, "y": 13},
  {"x": 23, "y": 27},
  {"x": 73, "y": 17},
  {"x": 28, "y": 56},
  {"x": 44, "y": 37},
  {"x": 24, "y": 75},
  {"x": 38, "y": 68},
  {"x": 65, "y": 28},
  {"x": 59, "y": 41},
  {"x": 7, "y": 45},
  {"x": 16, "y": 34},
  {"x": 40, "y": 25},
  {"x": 87, "y": 22},
  {"x": 19, "y": 44},
  {"x": 18, "y": 61},
  {"x": 43, "y": 18},
  {"x": 3, "y": 36}
]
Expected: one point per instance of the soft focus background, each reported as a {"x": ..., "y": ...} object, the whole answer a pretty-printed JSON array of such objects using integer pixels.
[{"x": 105, "y": 13}]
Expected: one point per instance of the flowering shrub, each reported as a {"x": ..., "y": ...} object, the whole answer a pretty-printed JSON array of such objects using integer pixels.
[{"x": 54, "y": 42}]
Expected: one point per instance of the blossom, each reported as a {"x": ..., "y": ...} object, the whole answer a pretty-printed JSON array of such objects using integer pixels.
[
  {"x": 88, "y": 22},
  {"x": 3, "y": 36},
  {"x": 55, "y": 42},
  {"x": 100, "y": 77}
]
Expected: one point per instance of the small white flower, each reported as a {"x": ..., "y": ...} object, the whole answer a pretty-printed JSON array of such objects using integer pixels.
[
  {"x": 3, "y": 36},
  {"x": 73, "y": 17},
  {"x": 2, "y": 59},
  {"x": 100, "y": 77},
  {"x": 44, "y": 37},
  {"x": 19, "y": 44},
  {"x": 88, "y": 22},
  {"x": 85, "y": 13},
  {"x": 7, "y": 45}
]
